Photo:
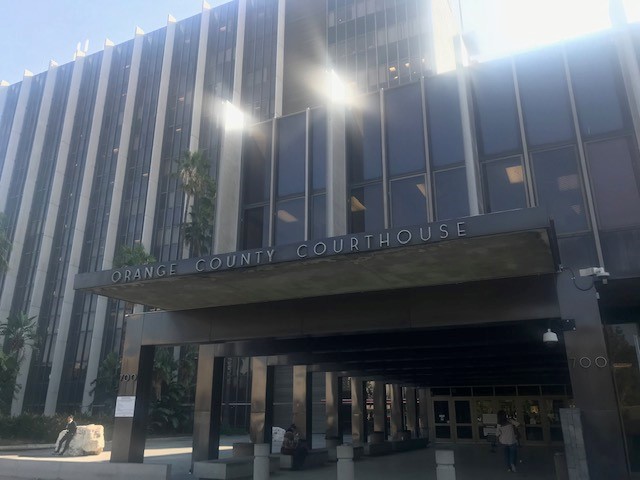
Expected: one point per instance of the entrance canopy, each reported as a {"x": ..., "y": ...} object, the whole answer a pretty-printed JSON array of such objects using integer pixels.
[{"x": 510, "y": 244}]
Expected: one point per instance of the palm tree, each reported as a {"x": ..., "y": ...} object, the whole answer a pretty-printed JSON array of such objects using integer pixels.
[
  {"x": 199, "y": 203},
  {"x": 19, "y": 332},
  {"x": 129, "y": 256},
  {"x": 5, "y": 243}
]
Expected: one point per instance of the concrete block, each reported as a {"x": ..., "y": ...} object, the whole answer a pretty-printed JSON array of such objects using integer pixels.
[
  {"x": 445, "y": 457},
  {"x": 445, "y": 472},
  {"x": 377, "y": 449}
]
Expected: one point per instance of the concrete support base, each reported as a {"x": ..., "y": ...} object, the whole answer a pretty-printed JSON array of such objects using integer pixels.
[
  {"x": 261, "y": 461},
  {"x": 345, "y": 462}
]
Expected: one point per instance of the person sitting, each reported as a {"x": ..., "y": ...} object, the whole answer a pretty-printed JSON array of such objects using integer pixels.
[
  {"x": 71, "y": 430},
  {"x": 295, "y": 446}
]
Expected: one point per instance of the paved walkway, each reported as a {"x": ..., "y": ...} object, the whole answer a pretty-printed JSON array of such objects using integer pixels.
[{"x": 473, "y": 462}]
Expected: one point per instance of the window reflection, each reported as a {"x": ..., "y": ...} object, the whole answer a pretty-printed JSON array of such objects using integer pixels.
[
  {"x": 367, "y": 213},
  {"x": 409, "y": 201},
  {"x": 289, "y": 226},
  {"x": 504, "y": 184}
]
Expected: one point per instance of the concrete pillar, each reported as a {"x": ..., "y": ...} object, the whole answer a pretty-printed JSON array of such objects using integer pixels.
[
  {"x": 134, "y": 396},
  {"x": 397, "y": 414},
  {"x": 114, "y": 218},
  {"x": 412, "y": 412},
  {"x": 208, "y": 405},
  {"x": 345, "y": 462},
  {"x": 156, "y": 149},
  {"x": 337, "y": 219},
  {"x": 20, "y": 229},
  {"x": 468, "y": 131},
  {"x": 423, "y": 412},
  {"x": 278, "y": 100},
  {"x": 261, "y": 418},
  {"x": 358, "y": 412},
  {"x": 302, "y": 401},
  {"x": 77, "y": 242},
  {"x": 445, "y": 465},
  {"x": 261, "y": 453},
  {"x": 333, "y": 395},
  {"x": 380, "y": 408},
  {"x": 3, "y": 95},
  {"x": 593, "y": 388}
]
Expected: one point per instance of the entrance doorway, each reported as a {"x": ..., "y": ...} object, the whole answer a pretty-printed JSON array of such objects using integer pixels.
[{"x": 472, "y": 418}]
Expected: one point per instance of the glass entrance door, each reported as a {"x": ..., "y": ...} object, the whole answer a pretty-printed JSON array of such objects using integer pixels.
[
  {"x": 442, "y": 420},
  {"x": 463, "y": 420}
]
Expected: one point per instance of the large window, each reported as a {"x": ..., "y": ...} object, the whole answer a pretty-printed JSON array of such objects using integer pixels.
[
  {"x": 558, "y": 187},
  {"x": 545, "y": 98},
  {"x": 504, "y": 184},
  {"x": 496, "y": 109},
  {"x": 364, "y": 151},
  {"x": 318, "y": 159},
  {"x": 615, "y": 184}
]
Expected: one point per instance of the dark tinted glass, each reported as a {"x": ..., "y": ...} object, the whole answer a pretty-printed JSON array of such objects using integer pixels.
[
  {"x": 496, "y": 111},
  {"x": 319, "y": 216},
  {"x": 291, "y": 154},
  {"x": 364, "y": 142},
  {"x": 408, "y": 201},
  {"x": 367, "y": 213},
  {"x": 578, "y": 251},
  {"x": 452, "y": 199},
  {"x": 290, "y": 221},
  {"x": 444, "y": 125},
  {"x": 256, "y": 161},
  {"x": 614, "y": 182},
  {"x": 545, "y": 97},
  {"x": 405, "y": 133},
  {"x": 559, "y": 188},
  {"x": 596, "y": 81},
  {"x": 256, "y": 228},
  {"x": 319, "y": 148},
  {"x": 504, "y": 182}
]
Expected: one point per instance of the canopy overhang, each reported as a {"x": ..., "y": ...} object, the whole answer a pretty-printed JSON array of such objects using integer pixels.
[{"x": 511, "y": 244}]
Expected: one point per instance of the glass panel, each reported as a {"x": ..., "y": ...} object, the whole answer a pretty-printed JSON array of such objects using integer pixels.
[
  {"x": 559, "y": 188},
  {"x": 464, "y": 433},
  {"x": 404, "y": 128},
  {"x": 555, "y": 434},
  {"x": 621, "y": 252},
  {"x": 496, "y": 112},
  {"x": 463, "y": 411},
  {"x": 624, "y": 363},
  {"x": 441, "y": 411},
  {"x": 509, "y": 406},
  {"x": 408, "y": 201},
  {"x": 504, "y": 180},
  {"x": 545, "y": 97},
  {"x": 445, "y": 126},
  {"x": 289, "y": 221},
  {"x": 291, "y": 154},
  {"x": 319, "y": 148},
  {"x": 367, "y": 213},
  {"x": 256, "y": 161},
  {"x": 443, "y": 432},
  {"x": 256, "y": 228},
  {"x": 531, "y": 412},
  {"x": 578, "y": 251},
  {"x": 534, "y": 434},
  {"x": 364, "y": 141},
  {"x": 452, "y": 199},
  {"x": 614, "y": 183},
  {"x": 595, "y": 75},
  {"x": 319, "y": 216}
]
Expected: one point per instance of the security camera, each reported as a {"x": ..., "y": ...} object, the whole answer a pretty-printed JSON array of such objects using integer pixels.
[{"x": 549, "y": 338}]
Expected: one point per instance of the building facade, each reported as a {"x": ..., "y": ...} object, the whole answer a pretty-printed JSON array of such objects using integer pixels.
[{"x": 333, "y": 132}]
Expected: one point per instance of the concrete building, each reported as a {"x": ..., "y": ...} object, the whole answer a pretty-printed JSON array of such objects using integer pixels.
[{"x": 388, "y": 235}]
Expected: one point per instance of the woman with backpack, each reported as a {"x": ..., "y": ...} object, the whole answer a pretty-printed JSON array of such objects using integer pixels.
[{"x": 507, "y": 435}]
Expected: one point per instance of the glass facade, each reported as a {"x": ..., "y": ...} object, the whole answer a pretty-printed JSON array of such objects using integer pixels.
[
  {"x": 6, "y": 118},
  {"x": 167, "y": 238},
  {"x": 59, "y": 261},
  {"x": 258, "y": 70},
  {"x": 375, "y": 44}
]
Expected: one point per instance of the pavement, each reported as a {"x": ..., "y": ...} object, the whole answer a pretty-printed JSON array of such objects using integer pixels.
[{"x": 473, "y": 462}]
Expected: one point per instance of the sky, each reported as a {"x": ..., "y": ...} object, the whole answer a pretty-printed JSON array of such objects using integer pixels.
[{"x": 32, "y": 32}]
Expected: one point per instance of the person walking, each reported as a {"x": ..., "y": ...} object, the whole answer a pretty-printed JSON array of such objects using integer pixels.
[
  {"x": 71, "y": 429},
  {"x": 507, "y": 435}
]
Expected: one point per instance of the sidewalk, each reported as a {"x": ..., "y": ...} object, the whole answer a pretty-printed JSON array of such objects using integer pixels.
[{"x": 473, "y": 462}]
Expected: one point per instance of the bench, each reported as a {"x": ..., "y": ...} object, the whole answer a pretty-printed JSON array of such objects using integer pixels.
[
  {"x": 377, "y": 449},
  {"x": 228, "y": 468},
  {"x": 315, "y": 458},
  {"x": 358, "y": 453}
]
